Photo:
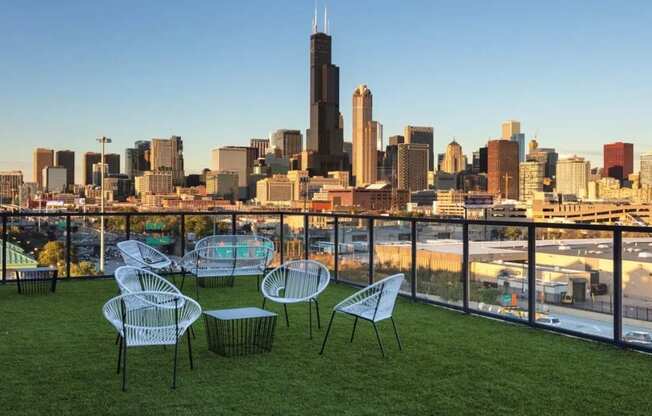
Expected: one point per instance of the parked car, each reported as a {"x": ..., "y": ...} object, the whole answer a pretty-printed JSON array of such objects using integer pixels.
[
  {"x": 638, "y": 337},
  {"x": 548, "y": 320}
]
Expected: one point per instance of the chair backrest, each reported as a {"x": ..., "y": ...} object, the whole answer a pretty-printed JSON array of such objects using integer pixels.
[
  {"x": 299, "y": 279},
  {"x": 133, "y": 279},
  {"x": 232, "y": 241},
  {"x": 389, "y": 287},
  {"x": 135, "y": 253},
  {"x": 230, "y": 252},
  {"x": 165, "y": 318}
]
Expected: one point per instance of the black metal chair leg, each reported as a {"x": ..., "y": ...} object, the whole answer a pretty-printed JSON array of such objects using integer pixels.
[
  {"x": 119, "y": 355},
  {"x": 310, "y": 317},
  {"x": 174, "y": 371},
  {"x": 355, "y": 324},
  {"x": 328, "y": 331},
  {"x": 398, "y": 339},
  {"x": 192, "y": 367},
  {"x": 124, "y": 365},
  {"x": 318, "y": 317},
  {"x": 287, "y": 320},
  {"x": 380, "y": 343},
  {"x": 192, "y": 332},
  {"x": 117, "y": 339},
  {"x": 264, "y": 300},
  {"x": 197, "y": 288},
  {"x": 183, "y": 280}
]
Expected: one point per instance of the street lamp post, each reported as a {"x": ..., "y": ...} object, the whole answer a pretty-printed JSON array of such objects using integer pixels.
[{"x": 103, "y": 140}]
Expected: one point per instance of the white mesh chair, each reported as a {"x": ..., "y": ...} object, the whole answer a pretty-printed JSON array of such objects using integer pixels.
[
  {"x": 230, "y": 256},
  {"x": 374, "y": 303},
  {"x": 137, "y": 254},
  {"x": 296, "y": 282},
  {"x": 151, "y": 318}
]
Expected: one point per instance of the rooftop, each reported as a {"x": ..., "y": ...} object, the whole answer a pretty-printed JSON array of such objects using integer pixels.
[{"x": 59, "y": 358}]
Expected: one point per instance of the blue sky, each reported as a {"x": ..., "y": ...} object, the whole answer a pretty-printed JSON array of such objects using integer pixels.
[{"x": 578, "y": 73}]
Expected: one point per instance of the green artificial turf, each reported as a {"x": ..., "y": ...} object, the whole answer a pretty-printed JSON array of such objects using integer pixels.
[{"x": 58, "y": 358}]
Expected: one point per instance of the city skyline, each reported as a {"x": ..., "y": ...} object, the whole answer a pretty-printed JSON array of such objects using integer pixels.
[{"x": 42, "y": 112}]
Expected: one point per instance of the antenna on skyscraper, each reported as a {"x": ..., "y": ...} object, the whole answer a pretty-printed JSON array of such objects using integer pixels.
[
  {"x": 314, "y": 20},
  {"x": 326, "y": 20}
]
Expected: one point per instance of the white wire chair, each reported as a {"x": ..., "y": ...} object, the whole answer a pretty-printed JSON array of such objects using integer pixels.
[
  {"x": 230, "y": 256},
  {"x": 162, "y": 319},
  {"x": 138, "y": 254},
  {"x": 374, "y": 303},
  {"x": 296, "y": 282}
]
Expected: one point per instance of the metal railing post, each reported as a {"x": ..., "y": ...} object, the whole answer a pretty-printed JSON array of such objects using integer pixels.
[
  {"x": 305, "y": 236},
  {"x": 4, "y": 248},
  {"x": 282, "y": 239},
  {"x": 68, "y": 245},
  {"x": 618, "y": 285},
  {"x": 465, "y": 267},
  {"x": 183, "y": 235},
  {"x": 336, "y": 251},
  {"x": 128, "y": 227},
  {"x": 234, "y": 223},
  {"x": 413, "y": 262},
  {"x": 531, "y": 273},
  {"x": 370, "y": 226}
]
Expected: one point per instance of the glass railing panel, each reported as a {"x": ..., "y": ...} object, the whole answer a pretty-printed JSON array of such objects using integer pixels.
[
  {"x": 498, "y": 270},
  {"x": 36, "y": 241},
  {"x": 163, "y": 232},
  {"x": 321, "y": 240},
  {"x": 393, "y": 250},
  {"x": 268, "y": 226},
  {"x": 353, "y": 250},
  {"x": 439, "y": 262},
  {"x": 205, "y": 225},
  {"x": 86, "y": 244},
  {"x": 637, "y": 289},
  {"x": 574, "y": 272},
  {"x": 293, "y": 237}
]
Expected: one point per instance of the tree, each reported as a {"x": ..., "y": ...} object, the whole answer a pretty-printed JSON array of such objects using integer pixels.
[
  {"x": 52, "y": 254},
  {"x": 513, "y": 233},
  {"x": 83, "y": 268}
]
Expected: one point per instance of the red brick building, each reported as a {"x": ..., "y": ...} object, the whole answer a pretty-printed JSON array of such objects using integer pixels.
[
  {"x": 618, "y": 160},
  {"x": 376, "y": 197}
]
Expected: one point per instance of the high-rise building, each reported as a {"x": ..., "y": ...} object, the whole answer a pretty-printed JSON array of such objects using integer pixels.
[
  {"x": 422, "y": 135},
  {"x": 502, "y": 169},
  {"x": 379, "y": 136},
  {"x": 547, "y": 156},
  {"x": 412, "y": 166},
  {"x": 42, "y": 158},
  {"x": 618, "y": 160},
  {"x": 261, "y": 146},
  {"x": 511, "y": 130},
  {"x": 154, "y": 183},
  {"x": 223, "y": 184},
  {"x": 531, "y": 175},
  {"x": 66, "y": 159},
  {"x": 239, "y": 159},
  {"x": 10, "y": 184},
  {"x": 288, "y": 142},
  {"x": 54, "y": 179},
  {"x": 573, "y": 176},
  {"x": 112, "y": 161},
  {"x": 131, "y": 162},
  {"x": 483, "y": 155},
  {"x": 97, "y": 173},
  {"x": 364, "y": 137},
  {"x": 137, "y": 159},
  {"x": 166, "y": 155},
  {"x": 90, "y": 158},
  {"x": 453, "y": 158},
  {"x": 396, "y": 140},
  {"x": 325, "y": 136},
  {"x": 646, "y": 169}
]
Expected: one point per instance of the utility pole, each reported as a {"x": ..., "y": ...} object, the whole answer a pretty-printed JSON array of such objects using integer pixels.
[{"x": 103, "y": 140}]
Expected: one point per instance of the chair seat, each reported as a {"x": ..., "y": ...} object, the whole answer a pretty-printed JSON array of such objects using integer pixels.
[
  {"x": 143, "y": 336},
  {"x": 224, "y": 271},
  {"x": 359, "y": 309}
]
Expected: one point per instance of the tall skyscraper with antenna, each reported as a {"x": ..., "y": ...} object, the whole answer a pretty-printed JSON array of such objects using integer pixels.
[{"x": 324, "y": 137}]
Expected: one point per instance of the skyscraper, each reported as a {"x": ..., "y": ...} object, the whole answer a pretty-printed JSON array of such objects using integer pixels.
[
  {"x": 90, "y": 158},
  {"x": 324, "y": 137},
  {"x": 549, "y": 157},
  {"x": 396, "y": 140},
  {"x": 573, "y": 176},
  {"x": 502, "y": 169},
  {"x": 618, "y": 160},
  {"x": 364, "y": 137},
  {"x": 166, "y": 155},
  {"x": 511, "y": 130},
  {"x": 131, "y": 162},
  {"x": 422, "y": 135},
  {"x": 42, "y": 158},
  {"x": 239, "y": 159},
  {"x": 289, "y": 142},
  {"x": 646, "y": 169},
  {"x": 531, "y": 176},
  {"x": 66, "y": 159},
  {"x": 261, "y": 145},
  {"x": 112, "y": 161},
  {"x": 412, "y": 166},
  {"x": 453, "y": 158}
]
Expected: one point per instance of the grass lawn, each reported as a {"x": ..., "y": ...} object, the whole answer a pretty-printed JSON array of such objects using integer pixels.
[{"x": 58, "y": 358}]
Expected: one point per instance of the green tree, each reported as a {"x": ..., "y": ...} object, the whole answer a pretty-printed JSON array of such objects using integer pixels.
[{"x": 83, "y": 268}]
